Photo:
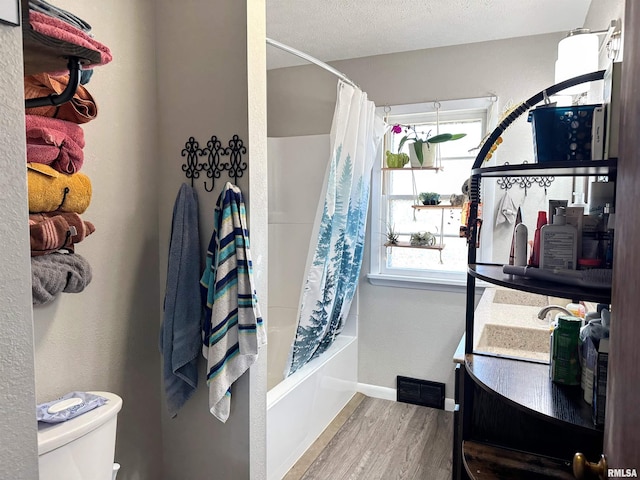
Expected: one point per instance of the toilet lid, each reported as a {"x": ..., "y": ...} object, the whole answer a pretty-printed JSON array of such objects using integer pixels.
[{"x": 52, "y": 436}]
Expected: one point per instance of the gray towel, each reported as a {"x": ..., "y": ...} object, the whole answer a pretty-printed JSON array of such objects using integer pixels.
[
  {"x": 180, "y": 336},
  {"x": 58, "y": 272}
]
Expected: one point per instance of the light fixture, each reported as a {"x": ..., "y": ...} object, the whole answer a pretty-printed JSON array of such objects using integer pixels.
[{"x": 578, "y": 53}]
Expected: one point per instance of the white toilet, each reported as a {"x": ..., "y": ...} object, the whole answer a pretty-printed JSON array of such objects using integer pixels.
[{"x": 81, "y": 448}]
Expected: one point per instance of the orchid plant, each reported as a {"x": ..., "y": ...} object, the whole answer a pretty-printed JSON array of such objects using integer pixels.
[{"x": 412, "y": 134}]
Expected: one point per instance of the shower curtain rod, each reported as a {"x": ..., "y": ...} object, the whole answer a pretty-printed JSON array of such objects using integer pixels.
[{"x": 311, "y": 59}]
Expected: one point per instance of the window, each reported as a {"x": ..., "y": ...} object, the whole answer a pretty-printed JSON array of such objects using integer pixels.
[{"x": 395, "y": 192}]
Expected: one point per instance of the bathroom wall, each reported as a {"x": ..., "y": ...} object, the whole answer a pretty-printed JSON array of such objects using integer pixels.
[
  {"x": 418, "y": 330},
  {"x": 18, "y": 455},
  {"x": 212, "y": 81},
  {"x": 106, "y": 338}
]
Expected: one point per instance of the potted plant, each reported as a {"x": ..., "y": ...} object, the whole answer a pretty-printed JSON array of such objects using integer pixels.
[
  {"x": 396, "y": 160},
  {"x": 429, "y": 198},
  {"x": 422, "y": 151},
  {"x": 392, "y": 236},
  {"x": 422, "y": 239}
]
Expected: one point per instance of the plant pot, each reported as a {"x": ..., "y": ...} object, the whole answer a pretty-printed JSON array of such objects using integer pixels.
[
  {"x": 428, "y": 155},
  {"x": 396, "y": 160}
]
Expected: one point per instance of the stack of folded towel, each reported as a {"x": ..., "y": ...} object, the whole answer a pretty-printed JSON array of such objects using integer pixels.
[{"x": 58, "y": 192}]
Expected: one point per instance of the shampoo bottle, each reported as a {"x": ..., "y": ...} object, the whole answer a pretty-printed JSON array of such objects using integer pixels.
[
  {"x": 558, "y": 243},
  {"x": 534, "y": 259},
  {"x": 520, "y": 250}
]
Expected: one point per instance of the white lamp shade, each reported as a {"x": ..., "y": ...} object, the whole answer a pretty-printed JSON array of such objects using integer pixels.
[{"x": 577, "y": 55}]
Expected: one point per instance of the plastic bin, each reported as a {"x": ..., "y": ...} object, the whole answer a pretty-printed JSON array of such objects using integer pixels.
[{"x": 562, "y": 133}]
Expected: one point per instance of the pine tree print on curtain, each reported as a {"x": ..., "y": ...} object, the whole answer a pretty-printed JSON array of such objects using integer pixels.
[{"x": 338, "y": 240}]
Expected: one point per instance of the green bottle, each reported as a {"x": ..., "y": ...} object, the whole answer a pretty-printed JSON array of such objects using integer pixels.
[{"x": 565, "y": 364}]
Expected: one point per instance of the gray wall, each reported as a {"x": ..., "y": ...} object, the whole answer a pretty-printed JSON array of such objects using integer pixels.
[
  {"x": 18, "y": 454},
  {"x": 207, "y": 87},
  {"x": 105, "y": 338},
  {"x": 403, "y": 331}
]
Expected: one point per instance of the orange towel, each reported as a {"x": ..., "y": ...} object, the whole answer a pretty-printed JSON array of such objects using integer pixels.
[
  {"x": 81, "y": 109},
  {"x": 53, "y": 231},
  {"x": 50, "y": 190}
]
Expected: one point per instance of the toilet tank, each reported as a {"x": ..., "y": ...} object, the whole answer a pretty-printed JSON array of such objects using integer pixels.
[{"x": 81, "y": 448}]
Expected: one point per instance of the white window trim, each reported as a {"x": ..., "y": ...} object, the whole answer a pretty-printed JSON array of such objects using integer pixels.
[{"x": 427, "y": 279}]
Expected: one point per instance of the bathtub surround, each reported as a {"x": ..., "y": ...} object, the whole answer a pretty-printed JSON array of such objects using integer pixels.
[
  {"x": 301, "y": 407},
  {"x": 180, "y": 332},
  {"x": 339, "y": 230}
]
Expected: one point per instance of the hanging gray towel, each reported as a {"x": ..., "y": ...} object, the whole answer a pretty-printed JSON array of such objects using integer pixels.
[{"x": 180, "y": 336}]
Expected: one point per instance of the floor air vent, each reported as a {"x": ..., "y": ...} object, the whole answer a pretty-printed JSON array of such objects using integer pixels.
[{"x": 420, "y": 392}]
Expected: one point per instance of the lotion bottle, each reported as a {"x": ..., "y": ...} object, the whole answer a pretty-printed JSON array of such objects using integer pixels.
[
  {"x": 558, "y": 243},
  {"x": 534, "y": 259},
  {"x": 520, "y": 251}
]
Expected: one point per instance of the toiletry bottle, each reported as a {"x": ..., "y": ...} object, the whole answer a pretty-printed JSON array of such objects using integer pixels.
[
  {"x": 576, "y": 309},
  {"x": 558, "y": 243},
  {"x": 565, "y": 365},
  {"x": 578, "y": 201},
  {"x": 534, "y": 259},
  {"x": 520, "y": 250},
  {"x": 610, "y": 225}
]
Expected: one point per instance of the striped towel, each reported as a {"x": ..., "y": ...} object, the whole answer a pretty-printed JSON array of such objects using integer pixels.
[{"x": 233, "y": 329}]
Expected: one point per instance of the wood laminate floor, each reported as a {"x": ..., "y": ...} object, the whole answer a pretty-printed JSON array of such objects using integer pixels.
[{"x": 382, "y": 440}]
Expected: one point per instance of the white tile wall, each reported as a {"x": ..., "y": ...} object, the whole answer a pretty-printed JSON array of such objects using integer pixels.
[
  {"x": 282, "y": 329},
  {"x": 288, "y": 249},
  {"x": 296, "y": 173}
]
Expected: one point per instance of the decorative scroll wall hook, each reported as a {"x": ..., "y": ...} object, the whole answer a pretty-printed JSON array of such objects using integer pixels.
[
  {"x": 235, "y": 150},
  {"x": 191, "y": 151},
  {"x": 214, "y": 164},
  {"x": 505, "y": 183}
]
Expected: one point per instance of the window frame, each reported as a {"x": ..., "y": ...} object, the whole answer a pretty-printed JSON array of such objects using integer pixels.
[{"x": 431, "y": 279}]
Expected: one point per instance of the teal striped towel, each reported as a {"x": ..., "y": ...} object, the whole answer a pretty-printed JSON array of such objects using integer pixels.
[{"x": 233, "y": 330}]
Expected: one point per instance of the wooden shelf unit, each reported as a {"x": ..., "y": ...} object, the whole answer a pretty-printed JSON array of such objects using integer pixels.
[
  {"x": 46, "y": 54},
  {"x": 527, "y": 385},
  {"x": 408, "y": 245},
  {"x": 487, "y": 462},
  {"x": 492, "y": 273},
  {"x": 512, "y": 421},
  {"x": 409, "y": 169}
]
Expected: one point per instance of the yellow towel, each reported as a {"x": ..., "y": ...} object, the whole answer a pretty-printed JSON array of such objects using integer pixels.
[{"x": 50, "y": 190}]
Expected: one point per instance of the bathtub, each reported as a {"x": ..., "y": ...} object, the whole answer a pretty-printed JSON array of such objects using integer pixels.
[{"x": 300, "y": 407}]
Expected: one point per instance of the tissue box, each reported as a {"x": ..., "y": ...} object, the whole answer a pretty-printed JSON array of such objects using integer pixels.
[{"x": 562, "y": 133}]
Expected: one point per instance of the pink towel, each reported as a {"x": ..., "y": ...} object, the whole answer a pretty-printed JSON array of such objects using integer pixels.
[
  {"x": 56, "y": 28},
  {"x": 55, "y": 142}
]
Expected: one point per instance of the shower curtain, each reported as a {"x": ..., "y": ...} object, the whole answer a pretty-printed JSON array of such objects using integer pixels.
[{"x": 337, "y": 241}]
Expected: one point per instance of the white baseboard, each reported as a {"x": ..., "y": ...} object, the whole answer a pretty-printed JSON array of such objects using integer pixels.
[
  {"x": 386, "y": 393},
  {"x": 449, "y": 404}
]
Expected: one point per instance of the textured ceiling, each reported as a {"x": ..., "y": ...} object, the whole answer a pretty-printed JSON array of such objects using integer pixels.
[{"x": 341, "y": 29}]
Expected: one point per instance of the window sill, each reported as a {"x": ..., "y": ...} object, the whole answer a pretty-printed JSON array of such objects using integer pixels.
[{"x": 458, "y": 285}]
